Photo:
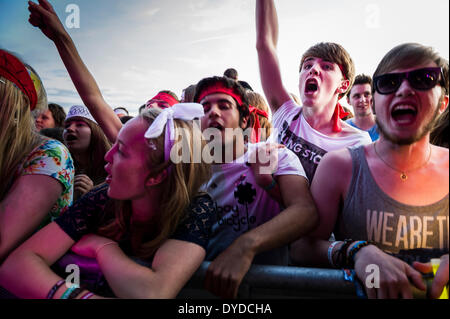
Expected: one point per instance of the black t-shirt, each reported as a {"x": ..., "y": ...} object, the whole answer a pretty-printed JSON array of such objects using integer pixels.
[{"x": 90, "y": 212}]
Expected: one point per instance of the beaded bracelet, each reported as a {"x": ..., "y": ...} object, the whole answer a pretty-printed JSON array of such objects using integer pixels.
[
  {"x": 342, "y": 254},
  {"x": 357, "y": 247},
  {"x": 68, "y": 292},
  {"x": 55, "y": 287},
  {"x": 330, "y": 251}
]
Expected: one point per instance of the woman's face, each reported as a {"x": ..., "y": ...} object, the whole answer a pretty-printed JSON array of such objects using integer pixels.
[
  {"x": 45, "y": 120},
  {"x": 77, "y": 135},
  {"x": 127, "y": 165}
]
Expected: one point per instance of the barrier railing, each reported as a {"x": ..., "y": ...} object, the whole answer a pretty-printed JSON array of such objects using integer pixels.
[{"x": 277, "y": 282}]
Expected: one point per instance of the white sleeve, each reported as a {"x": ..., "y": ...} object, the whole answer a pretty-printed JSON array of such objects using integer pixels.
[
  {"x": 285, "y": 111},
  {"x": 289, "y": 164}
]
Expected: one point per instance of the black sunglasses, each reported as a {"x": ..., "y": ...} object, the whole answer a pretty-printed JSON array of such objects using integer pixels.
[{"x": 420, "y": 79}]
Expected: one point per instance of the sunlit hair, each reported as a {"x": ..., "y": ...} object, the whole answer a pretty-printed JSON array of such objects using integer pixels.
[
  {"x": 177, "y": 190},
  {"x": 18, "y": 136},
  {"x": 410, "y": 54},
  {"x": 98, "y": 147},
  {"x": 335, "y": 53},
  {"x": 439, "y": 134},
  {"x": 258, "y": 101}
]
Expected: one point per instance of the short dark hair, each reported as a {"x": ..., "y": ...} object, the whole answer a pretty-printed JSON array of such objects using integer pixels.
[
  {"x": 360, "y": 79},
  {"x": 231, "y": 73},
  {"x": 58, "y": 113},
  {"x": 228, "y": 83},
  {"x": 125, "y": 118}
]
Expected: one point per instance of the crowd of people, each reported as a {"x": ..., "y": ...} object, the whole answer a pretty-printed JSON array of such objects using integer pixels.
[{"x": 222, "y": 175}]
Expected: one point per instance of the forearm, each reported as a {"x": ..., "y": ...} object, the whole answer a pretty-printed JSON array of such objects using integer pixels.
[
  {"x": 26, "y": 275},
  {"x": 127, "y": 278},
  {"x": 292, "y": 223},
  {"x": 87, "y": 87},
  {"x": 266, "y": 25},
  {"x": 310, "y": 252}
]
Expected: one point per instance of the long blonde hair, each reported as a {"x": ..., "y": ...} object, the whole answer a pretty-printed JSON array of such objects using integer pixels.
[
  {"x": 18, "y": 136},
  {"x": 178, "y": 190}
]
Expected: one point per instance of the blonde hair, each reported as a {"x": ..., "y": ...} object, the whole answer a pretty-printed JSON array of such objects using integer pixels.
[
  {"x": 180, "y": 187},
  {"x": 18, "y": 136},
  {"x": 257, "y": 100}
]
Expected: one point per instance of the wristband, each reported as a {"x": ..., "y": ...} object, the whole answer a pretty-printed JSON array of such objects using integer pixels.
[
  {"x": 75, "y": 293},
  {"x": 87, "y": 295},
  {"x": 330, "y": 251},
  {"x": 52, "y": 291},
  {"x": 104, "y": 245},
  {"x": 355, "y": 248},
  {"x": 271, "y": 185},
  {"x": 68, "y": 292}
]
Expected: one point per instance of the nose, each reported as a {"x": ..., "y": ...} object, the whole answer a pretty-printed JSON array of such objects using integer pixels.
[
  {"x": 213, "y": 111},
  {"x": 314, "y": 70},
  {"x": 405, "y": 89},
  {"x": 108, "y": 156}
]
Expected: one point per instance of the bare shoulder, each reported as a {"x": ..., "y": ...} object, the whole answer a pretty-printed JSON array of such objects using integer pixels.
[
  {"x": 440, "y": 158},
  {"x": 336, "y": 165}
]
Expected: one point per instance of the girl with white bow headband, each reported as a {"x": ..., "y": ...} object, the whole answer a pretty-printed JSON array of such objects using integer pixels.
[{"x": 150, "y": 208}]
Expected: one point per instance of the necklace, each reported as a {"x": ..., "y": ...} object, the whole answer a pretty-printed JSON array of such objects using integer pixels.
[{"x": 403, "y": 175}]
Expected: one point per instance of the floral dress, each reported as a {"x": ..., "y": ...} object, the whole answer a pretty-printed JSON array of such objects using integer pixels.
[{"x": 53, "y": 159}]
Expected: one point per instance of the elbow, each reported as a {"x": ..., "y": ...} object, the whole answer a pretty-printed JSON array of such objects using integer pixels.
[{"x": 263, "y": 44}]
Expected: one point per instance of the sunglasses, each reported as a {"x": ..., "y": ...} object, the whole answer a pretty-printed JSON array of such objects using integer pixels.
[{"x": 420, "y": 79}]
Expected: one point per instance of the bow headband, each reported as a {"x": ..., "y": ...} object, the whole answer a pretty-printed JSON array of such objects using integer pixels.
[
  {"x": 180, "y": 111},
  {"x": 15, "y": 71},
  {"x": 255, "y": 138}
]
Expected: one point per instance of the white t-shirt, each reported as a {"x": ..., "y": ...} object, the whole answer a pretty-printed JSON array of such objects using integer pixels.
[
  {"x": 307, "y": 143},
  {"x": 242, "y": 205}
]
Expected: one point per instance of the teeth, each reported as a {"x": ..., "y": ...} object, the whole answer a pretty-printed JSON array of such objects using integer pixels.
[{"x": 404, "y": 107}]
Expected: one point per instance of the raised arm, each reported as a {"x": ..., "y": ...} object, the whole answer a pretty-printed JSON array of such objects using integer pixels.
[
  {"x": 266, "y": 45},
  {"x": 226, "y": 272},
  {"x": 44, "y": 17}
]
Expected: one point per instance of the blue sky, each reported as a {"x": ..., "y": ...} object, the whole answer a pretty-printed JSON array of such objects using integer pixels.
[{"x": 135, "y": 48}]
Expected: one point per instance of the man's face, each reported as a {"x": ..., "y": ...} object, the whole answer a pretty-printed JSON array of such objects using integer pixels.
[
  {"x": 319, "y": 82},
  {"x": 360, "y": 97},
  {"x": 157, "y": 103},
  {"x": 407, "y": 115},
  {"x": 221, "y": 112}
]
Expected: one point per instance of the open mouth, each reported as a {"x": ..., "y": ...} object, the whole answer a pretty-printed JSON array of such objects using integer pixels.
[
  {"x": 216, "y": 126},
  {"x": 70, "y": 138},
  {"x": 404, "y": 114},
  {"x": 311, "y": 86}
]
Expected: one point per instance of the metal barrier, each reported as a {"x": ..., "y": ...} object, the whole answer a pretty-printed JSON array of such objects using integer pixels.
[{"x": 275, "y": 282}]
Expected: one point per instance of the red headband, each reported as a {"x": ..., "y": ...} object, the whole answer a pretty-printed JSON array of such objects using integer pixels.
[
  {"x": 13, "y": 70},
  {"x": 166, "y": 98},
  {"x": 219, "y": 88},
  {"x": 255, "y": 138}
]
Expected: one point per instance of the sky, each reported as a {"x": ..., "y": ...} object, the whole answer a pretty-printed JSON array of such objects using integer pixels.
[{"x": 136, "y": 48}]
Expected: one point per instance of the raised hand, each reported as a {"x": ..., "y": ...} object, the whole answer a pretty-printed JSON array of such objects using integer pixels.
[{"x": 44, "y": 17}]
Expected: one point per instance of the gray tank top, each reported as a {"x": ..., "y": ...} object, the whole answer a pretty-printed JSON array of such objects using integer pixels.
[{"x": 370, "y": 214}]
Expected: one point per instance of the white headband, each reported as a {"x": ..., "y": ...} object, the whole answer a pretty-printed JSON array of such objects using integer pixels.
[{"x": 180, "y": 111}]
